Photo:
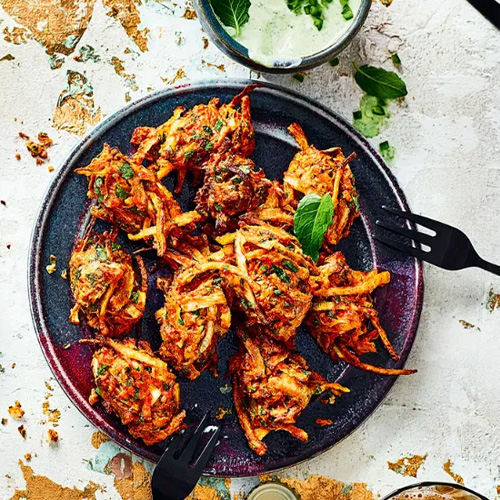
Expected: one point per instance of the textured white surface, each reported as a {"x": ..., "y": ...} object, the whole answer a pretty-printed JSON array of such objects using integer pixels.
[{"x": 447, "y": 137}]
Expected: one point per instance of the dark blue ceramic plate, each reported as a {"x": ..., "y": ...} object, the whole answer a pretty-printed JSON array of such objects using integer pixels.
[{"x": 63, "y": 215}]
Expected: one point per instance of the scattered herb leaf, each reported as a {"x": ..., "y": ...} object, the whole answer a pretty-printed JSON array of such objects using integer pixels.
[
  {"x": 379, "y": 82},
  {"x": 334, "y": 62}
]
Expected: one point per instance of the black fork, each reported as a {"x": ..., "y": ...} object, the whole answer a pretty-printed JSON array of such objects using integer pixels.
[
  {"x": 177, "y": 472},
  {"x": 449, "y": 247}
]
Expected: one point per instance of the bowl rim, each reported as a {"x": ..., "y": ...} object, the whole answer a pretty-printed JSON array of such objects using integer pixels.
[
  {"x": 231, "y": 47},
  {"x": 433, "y": 483}
]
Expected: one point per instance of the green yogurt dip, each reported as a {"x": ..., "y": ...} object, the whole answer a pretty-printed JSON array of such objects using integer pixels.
[{"x": 275, "y": 34}]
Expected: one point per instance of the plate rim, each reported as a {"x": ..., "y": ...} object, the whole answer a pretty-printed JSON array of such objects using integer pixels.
[{"x": 52, "y": 190}]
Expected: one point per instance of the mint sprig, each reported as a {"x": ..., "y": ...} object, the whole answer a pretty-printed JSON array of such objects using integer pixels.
[
  {"x": 379, "y": 82},
  {"x": 233, "y": 13},
  {"x": 313, "y": 218}
]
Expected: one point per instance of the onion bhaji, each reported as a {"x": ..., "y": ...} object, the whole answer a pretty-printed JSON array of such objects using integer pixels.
[
  {"x": 193, "y": 319},
  {"x": 189, "y": 138},
  {"x": 277, "y": 272},
  {"x": 322, "y": 172},
  {"x": 343, "y": 320},
  {"x": 137, "y": 387},
  {"x": 131, "y": 197},
  {"x": 107, "y": 289},
  {"x": 231, "y": 188},
  {"x": 274, "y": 210},
  {"x": 271, "y": 387}
]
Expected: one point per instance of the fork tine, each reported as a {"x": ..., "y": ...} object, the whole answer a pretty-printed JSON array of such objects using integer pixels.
[
  {"x": 173, "y": 446},
  {"x": 409, "y": 233},
  {"x": 207, "y": 451},
  {"x": 419, "y": 219},
  {"x": 188, "y": 452},
  {"x": 414, "y": 252}
]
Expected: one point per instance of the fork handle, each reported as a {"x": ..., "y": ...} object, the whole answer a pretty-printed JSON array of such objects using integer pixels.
[{"x": 488, "y": 266}]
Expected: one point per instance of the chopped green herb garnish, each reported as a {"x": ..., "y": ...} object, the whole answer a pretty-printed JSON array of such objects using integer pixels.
[
  {"x": 387, "y": 151},
  {"x": 282, "y": 275},
  {"x": 218, "y": 207},
  {"x": 97, "y": 185},
  {"x": 102, "y": 370},
  {"x": 135, "y": 297},
  {"x": 188, "y": 154},
  {"x": 127, "y": 171},
  {"x": 289, "y": 264},
  {"x": 378, "y": 110},
  {"x": 207, "y": 145},
  {"x": 298, "y": 76},
  {"x": 218, "y": 125},
  {"x": 115, "y": 246},
  {"x": 357, "y": 115},
  {"x": 101, "y": 252},
  {"x": 181, "y": 322},
  {"x": 208, "y": 130},
  {"x": 334, "y": 62},
  {"x": 347, "y": 12},
  {"x": 98, "y": 391},
  {"x": 396, "y": 60},
  {"x": 121, "y": 193}
]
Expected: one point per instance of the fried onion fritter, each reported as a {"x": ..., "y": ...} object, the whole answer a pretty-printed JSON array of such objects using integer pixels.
[
  {"x": 277, "y": 272},
  {"x": 131, "y": 197},
  {"x": 138, "y": 388},
  {"x": 189, "y": 138},
  {"x": 231, "y": 187},
  {"x": 343, "y": 320},
  {"x": 193, "y": 319},
  {"x": 271, "y": 388},
  {"x": 275, "y": 209},
  {"x": 107, "y": 290},
  {"x": 322, "y": 172}
]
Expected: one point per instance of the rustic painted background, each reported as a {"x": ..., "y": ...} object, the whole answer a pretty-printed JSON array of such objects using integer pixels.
[{"x": 66, "y": 64}]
